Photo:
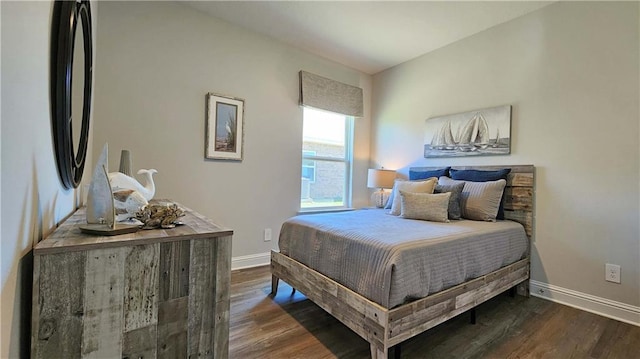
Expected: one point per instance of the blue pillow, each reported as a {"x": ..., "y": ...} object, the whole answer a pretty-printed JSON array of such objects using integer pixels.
[
  {"x": 424, "y": 174},
  {"x": 479, "y": 176},
  {"x": 483, "y": 176}
]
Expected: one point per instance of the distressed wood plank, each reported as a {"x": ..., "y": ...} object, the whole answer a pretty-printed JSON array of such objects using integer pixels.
[
  {"x": 222, "y": 270},
  {"x": 418, "y": 305},
  {"x": 221, "y": 329},
  {"x": 520, "y": 180},
  {"x": 58, "y": 305},
  {"x": 319, "y": 285},
  {"x": 377, "y": 353},
  {"x": 366, "y": 318},
  {"x": 221, "y": 309},
  {"x": 174, "y": 270},
  {"x": 103, "y": 303},
  {"x": 416, "y": 325},
  {"x": 141, "y": 287},
  {"x": 173, "y": 320},
  {"x": 201, "y": 299},
  {"x": 518, "y": 198},
  {"x": 140, "y": 343},
  {"x": 445, "y": 306}
]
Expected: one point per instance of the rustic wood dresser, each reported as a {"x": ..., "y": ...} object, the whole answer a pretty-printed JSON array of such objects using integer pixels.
[{"x": 160, "y": 293}]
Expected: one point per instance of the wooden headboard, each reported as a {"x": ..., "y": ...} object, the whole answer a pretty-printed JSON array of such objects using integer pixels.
[{"x": 518, "y": 199}]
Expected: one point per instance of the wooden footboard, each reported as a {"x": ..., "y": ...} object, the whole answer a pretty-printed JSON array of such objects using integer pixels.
[{"x": 382, "y": 327}]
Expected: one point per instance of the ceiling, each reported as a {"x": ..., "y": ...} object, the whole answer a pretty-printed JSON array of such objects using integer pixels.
[{"x": 369, "y": 36}]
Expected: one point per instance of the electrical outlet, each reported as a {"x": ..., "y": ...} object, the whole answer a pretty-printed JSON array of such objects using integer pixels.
[
  {"x": 612, "y": 273},
  {"x": 267, "y": 234}
]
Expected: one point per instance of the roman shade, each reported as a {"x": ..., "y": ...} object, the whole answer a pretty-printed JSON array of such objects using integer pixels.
[{"x": 329, "y": 95}]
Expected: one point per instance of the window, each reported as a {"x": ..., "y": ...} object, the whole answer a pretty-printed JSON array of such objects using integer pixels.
[
  {"x": 309, "y": 166},
  {"x": 326, "y": 160}
]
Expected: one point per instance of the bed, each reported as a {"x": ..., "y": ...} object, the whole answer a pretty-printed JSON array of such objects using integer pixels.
[{"x": 388, "y": 300}]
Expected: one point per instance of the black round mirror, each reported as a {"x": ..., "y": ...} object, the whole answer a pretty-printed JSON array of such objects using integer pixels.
[{"x": 71, "y": 87}]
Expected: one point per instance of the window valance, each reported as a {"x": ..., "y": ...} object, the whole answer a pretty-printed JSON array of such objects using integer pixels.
[{"x": 329, "y": 95}]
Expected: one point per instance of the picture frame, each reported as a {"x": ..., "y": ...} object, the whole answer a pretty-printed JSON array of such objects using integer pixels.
[
  {"x": 484, "y": 132},
  {"x": 224, "y": 128}
]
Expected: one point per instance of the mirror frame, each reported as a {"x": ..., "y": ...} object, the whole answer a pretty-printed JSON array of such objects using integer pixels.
[{"x": 67, "y": 15}]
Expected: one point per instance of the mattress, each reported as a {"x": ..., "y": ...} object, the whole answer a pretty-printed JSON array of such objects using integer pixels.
[{"x": 391, "y": 260}]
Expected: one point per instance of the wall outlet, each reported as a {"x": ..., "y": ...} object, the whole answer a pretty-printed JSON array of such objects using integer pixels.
[
  {"x": 612, "y": 273},
  {"x": 267, "y": 234}
]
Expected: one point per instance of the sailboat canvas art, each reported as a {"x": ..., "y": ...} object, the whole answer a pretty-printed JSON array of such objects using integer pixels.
[{"x": 473, "y": 133}]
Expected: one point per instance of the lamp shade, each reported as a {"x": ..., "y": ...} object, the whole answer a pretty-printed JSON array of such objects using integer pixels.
[{"x": 380, "y": 178}]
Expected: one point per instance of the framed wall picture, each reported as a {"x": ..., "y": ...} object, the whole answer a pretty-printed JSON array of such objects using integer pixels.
[
  {"x": 474, "y": 133},
  {"x": 224, "y": 127}
]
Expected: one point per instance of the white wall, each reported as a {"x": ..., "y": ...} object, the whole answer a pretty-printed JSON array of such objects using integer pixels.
[
  {"x": 570, "y": 71},
  {"x": 156, "y": 63},
  {"x": 33, "y": 200}
]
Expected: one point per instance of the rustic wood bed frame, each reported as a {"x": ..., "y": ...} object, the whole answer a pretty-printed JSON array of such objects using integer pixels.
[{"x": 384, "y": 328}]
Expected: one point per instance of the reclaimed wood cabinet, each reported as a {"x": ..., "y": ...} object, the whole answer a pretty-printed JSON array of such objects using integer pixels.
[{"x": 160, "y": 293}]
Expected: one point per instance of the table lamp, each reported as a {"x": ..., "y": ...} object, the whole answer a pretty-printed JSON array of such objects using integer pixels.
[{"x": 380, "y": 179}]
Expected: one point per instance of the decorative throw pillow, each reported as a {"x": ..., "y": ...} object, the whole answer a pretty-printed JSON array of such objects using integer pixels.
[
  {"x": 391, "y": 195},
  {"x": 480, "y": 200},
  {"x": 416, "y": 175},
  {"x": 454, "y": 200},
  {"x": 479, "y": 175},
  {"x": 424, "y": 174},
  {"x": 483, "y": 176},
  {"x": 425, "y": 206},
  {"x": 410, "y": 186},
  {"x": 390, "y": 200}
]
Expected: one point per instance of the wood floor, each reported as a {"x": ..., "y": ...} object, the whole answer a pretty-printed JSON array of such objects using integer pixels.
[{"x": 291, "y": 327}]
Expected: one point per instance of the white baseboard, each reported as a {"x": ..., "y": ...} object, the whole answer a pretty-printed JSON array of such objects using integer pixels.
[
  {"x": 252, "y": 260},
  {"x": 605, "y": 307}
]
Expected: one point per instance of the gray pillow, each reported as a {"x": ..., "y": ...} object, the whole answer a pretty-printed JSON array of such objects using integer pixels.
[
  {"x": 480, "y": 200},
  {"x": 455, "y": 211},
  {"x": 425, "y": 206}
]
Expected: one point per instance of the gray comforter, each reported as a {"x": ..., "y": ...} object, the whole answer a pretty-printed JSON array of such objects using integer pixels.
[{"x": 392, "y": 260}]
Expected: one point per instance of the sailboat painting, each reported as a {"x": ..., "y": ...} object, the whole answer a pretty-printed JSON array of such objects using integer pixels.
[{"x": 473, "y": 133}]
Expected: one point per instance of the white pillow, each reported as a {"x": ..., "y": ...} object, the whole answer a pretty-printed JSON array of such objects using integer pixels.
[
  {"x": 425, "y": 206},
  {"x": 425, "y": 186}
]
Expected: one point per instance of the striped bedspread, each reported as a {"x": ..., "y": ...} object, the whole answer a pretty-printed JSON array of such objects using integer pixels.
[{"x": 392, "y": 260}]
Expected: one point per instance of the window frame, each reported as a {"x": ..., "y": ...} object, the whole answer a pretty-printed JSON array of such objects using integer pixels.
[
  {"x": 306, "y": 157},
  {"x": 348, "y": 163}
]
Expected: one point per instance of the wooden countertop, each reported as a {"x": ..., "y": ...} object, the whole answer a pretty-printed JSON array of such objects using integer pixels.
[{"x": 68, "y": 237}]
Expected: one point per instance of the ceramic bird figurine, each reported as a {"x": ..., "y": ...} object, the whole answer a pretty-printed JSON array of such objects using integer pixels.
[
  {"x": 127, "y": 203},
  {"x": 120, "y": 181}
]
